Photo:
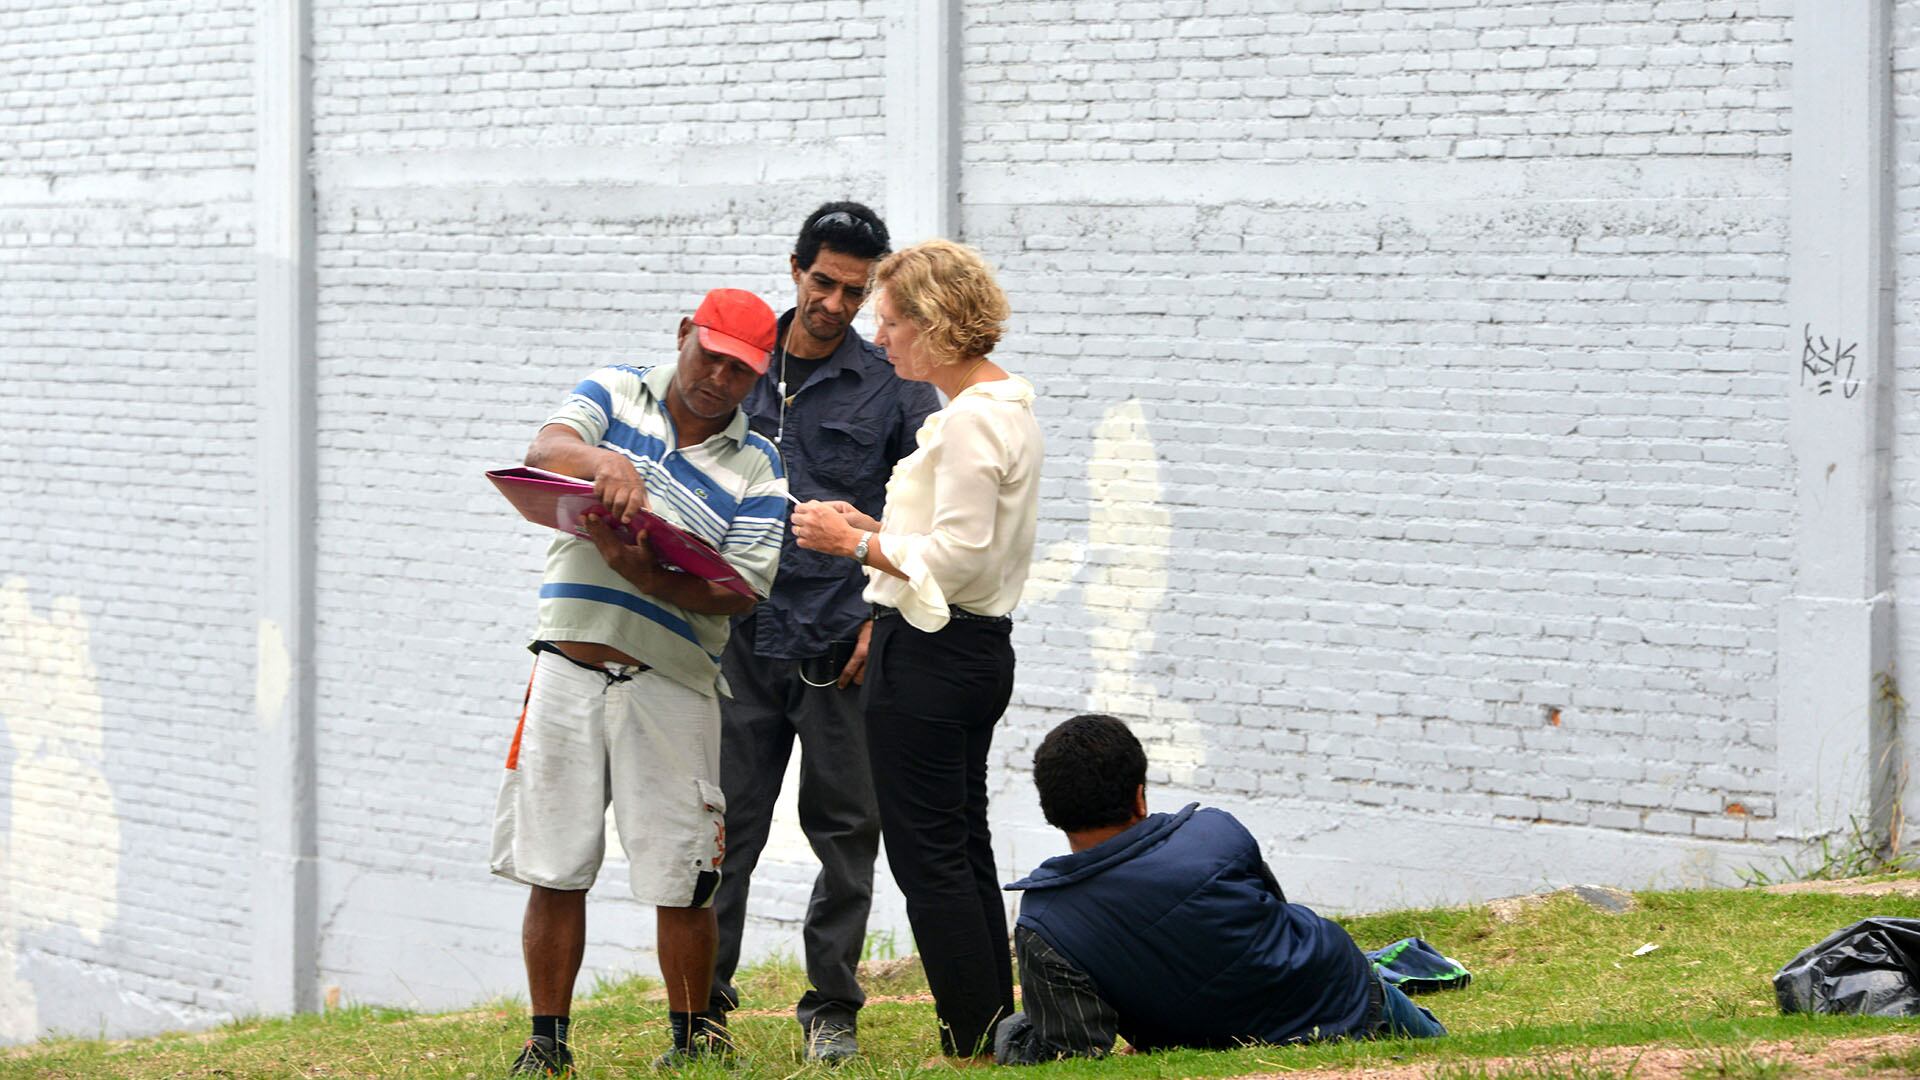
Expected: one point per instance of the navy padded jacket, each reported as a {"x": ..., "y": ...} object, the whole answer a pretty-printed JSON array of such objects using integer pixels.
[{"x": 1181, "y": 928}]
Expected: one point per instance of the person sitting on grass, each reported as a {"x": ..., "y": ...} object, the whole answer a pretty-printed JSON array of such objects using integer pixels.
[{"x": 1169, "y": 929}]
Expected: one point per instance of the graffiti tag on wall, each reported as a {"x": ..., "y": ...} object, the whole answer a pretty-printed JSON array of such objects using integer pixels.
[{"x": 1828, "y": 363}]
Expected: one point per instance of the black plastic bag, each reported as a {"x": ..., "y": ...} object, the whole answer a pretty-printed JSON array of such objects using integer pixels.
[{"x": 1871, "y": 968}]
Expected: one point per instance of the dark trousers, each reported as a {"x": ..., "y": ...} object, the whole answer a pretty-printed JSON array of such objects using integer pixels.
[
  {"x": 1400, "y": 1017},
  {"x": 772, "y": 705},
  {"x": 932, "y": 703}
]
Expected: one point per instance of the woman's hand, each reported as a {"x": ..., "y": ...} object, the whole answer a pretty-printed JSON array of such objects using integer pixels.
[
  {"x": 824, "y": 527},
  {"x": 860, "y": 521}
]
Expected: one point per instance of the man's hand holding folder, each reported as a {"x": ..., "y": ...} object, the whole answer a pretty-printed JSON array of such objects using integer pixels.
[
  {"x": 634, "y": 561},
  {"x": 573, "y": 505},
  {"x": 619, "y": 488}
]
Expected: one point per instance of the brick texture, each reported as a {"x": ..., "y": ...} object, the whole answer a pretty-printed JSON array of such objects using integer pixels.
[
  {"x": 1479, "y": 488},
  {"x": 145, "y": 85},
  {"x": 594, "y": 73},
  {"x": 126, "y": 496},
  {"x": 1905, "y": 477},
  {"x": 1213, "y": 81}
]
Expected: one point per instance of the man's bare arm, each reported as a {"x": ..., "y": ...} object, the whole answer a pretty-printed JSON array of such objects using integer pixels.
[{"x": 558, "y": 448}]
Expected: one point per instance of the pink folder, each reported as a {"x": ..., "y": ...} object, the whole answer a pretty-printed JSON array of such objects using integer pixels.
[{"x": 559, "y": 502}]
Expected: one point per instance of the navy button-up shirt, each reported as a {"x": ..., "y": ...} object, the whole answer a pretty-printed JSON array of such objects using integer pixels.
[{"x": 845, "y": 428}]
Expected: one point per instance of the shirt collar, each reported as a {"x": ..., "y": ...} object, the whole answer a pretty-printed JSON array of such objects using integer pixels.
[
  {"x": 660, "y": 376},
  {"x": 845, "y": 358}
]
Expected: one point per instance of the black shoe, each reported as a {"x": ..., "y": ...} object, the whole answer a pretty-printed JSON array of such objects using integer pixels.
[
  {"x": 543, "y": 1057},
  {"x": 712, "y": 1043},
  {"x": 708, "y": 1049},
  {"x": 831, "y": 1044}
]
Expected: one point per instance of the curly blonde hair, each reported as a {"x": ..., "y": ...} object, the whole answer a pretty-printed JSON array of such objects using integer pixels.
[{"x": 948, "y": 291}]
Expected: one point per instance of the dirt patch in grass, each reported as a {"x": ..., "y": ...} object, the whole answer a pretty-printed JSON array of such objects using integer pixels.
[
  {"x": 1601, "y": 898},
  {"x": 1875, "y": 1056},
  {"x": 1852, "y": 887}
]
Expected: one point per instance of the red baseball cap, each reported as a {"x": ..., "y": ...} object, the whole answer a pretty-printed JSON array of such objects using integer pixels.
[{"x": 737, "y": 323}]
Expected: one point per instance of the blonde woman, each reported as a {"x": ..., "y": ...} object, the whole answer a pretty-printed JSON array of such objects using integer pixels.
[{"x": 945, "y": 567}]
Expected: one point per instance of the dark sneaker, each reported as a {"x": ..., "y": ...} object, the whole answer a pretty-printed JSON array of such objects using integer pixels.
[
  {"x": 831, "y": 1045},
  {"x": 703, "y": 1050},
  {"x": 543, "y": 1057},
  {"x": 713, "y": 1043}
]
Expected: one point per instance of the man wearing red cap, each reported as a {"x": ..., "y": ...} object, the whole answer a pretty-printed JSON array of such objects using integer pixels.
[{"x": 622, "y": 709}]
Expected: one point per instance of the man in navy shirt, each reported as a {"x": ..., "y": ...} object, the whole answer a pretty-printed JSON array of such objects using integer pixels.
[
  {"x": 841, "y": 418},
  {"x": 1170, "y": 930}
]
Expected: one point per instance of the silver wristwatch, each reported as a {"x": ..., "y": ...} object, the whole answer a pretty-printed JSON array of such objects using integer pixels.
[{"x": 860, "y": 549}]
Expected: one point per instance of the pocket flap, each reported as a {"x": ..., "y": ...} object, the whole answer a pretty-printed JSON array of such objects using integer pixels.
[
  {"x": 714, "y": 802},
  {"x": 712, "y": 798},
  {"x": 864, "y": 434}
]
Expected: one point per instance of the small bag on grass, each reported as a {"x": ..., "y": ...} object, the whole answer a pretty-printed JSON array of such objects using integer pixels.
[{"x": 1417, "y": 967}]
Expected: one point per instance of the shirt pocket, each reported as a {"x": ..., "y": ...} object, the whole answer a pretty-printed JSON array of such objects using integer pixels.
[{"x": 846, "y": 457}]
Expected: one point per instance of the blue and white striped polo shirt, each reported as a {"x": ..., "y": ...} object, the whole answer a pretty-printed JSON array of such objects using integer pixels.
[{"x": 729, "y": 490}]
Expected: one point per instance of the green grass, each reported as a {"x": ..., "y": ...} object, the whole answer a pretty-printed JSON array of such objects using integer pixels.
[{"x": 1560, "y": 980}]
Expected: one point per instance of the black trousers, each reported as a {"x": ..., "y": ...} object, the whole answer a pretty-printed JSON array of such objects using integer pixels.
[
  {"x": 932, "y": 703},
  {"x": 772, "y": 706}
]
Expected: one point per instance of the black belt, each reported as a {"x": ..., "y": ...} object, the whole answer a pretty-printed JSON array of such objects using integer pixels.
[
  {"x": 612, "y": 677},
  {"x": 881, "y": 611}
]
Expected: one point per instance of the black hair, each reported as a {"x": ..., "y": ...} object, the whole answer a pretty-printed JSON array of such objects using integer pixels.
[
  {"x": 850, "y": 229},
  {"x": 1088, "y": 770}
]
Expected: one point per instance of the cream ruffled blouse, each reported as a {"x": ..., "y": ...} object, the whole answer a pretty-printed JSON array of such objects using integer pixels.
[{"x": 961, "y": 509}]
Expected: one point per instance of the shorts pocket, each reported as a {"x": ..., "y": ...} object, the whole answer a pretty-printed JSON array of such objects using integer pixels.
[{"x": 710, "y": 849}]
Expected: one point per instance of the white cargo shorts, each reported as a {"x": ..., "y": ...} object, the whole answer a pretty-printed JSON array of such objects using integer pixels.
[{"x": 647, "y": 746}]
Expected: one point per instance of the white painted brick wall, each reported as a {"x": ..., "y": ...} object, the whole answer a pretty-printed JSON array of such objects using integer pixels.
[
  {"x": 1211, "y": 81},
  {"x": 1448, "y": 447},
  {"x": 1905, "y": 479},
  {"x": 126, "y": 496},
  {"x": 392, "y": 77},
  {"x": 145, "y": 85}
]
